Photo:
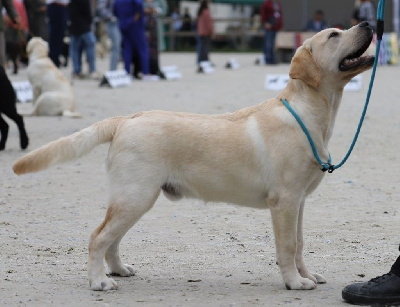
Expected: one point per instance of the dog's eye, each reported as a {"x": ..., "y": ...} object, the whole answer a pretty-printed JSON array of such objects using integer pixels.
[{"x": 333, "y": 34}]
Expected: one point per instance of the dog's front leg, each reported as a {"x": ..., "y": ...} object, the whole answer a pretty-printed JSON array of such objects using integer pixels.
[
  {"x": 284, "y": 218},
  {"x": 36, "y": 93},
  {"x": 301, "y": 266}
]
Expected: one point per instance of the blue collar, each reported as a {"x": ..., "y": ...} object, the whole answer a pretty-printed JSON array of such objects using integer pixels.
[{"x": 325, "y": 166}]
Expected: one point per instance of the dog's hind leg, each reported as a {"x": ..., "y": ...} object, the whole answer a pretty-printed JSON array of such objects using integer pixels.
[
  {"x": 301, "y": 266},
  {"x": 115, "y": 265},
  {"x": 4, "y": 133},
  {"x": 285, "y": 219},
  {"x": 121, "y": 215},
  {"x": 18, "y": 119}
]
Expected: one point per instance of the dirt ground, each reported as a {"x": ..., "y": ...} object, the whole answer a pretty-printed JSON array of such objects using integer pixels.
[{"x": 188, "y": 253}]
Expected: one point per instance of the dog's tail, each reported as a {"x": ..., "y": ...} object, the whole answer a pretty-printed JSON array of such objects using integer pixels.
[{"x": 69, "y": 147}]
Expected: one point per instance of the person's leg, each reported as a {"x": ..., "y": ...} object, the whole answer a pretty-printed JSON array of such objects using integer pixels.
[
  {"x": 143, "y": 51},
  {"x": 75, "y": 46},
  {"x": 136, "y": 64},
  {"x": 207, "y": 45},
  {"x": 269, "y": 45},
  {"x": 127, "y": 50},
  {"x": 382, "y": 290},
  {"x": 41, "y": 26},
  {"x": 89, "y": 41},
  {"x": 57, "y": 16},
  {"x": 202, "y": 49},
  {"x": 2, "y": 48},
  {"x": 115, "y": 37},
  {"x": 273, "y": 39},
  {"x": 198, "y": 46}
]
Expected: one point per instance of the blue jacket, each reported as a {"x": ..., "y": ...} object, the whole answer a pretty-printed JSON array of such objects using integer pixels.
[{"x": 125, "y": 11}]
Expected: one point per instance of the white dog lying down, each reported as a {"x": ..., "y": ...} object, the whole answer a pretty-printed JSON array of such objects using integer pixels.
[
  {"x": 52, "y": 92},
  {"x": 257, "y": 157}
]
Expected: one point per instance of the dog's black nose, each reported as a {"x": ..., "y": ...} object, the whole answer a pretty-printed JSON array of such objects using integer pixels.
[{"x": 364, "y": 24}]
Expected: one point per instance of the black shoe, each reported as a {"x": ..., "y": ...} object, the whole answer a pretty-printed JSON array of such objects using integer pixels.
[
  {"x": 161, "y": 75},
  {"x": 381, "y": 290}
]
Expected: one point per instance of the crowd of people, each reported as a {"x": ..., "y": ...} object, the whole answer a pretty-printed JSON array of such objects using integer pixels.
[
  {"x": 69, "y": 27},
  {"x": 134, "y": 29}
]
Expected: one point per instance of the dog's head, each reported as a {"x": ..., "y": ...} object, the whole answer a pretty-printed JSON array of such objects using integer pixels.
[
  {"x": 334, "y": 55},
  {"x": 37, "y": 47}
]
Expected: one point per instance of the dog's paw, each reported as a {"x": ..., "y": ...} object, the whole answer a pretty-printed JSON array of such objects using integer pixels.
[
  {"x": 124, "y": 271},
  {"x": 301, "y": 284},
  {"x": 320, "y": 279},
  {"x": 104, "y": 285},
  {"x": 316, "y": 278},
  {"x": 24, "y": 142}
]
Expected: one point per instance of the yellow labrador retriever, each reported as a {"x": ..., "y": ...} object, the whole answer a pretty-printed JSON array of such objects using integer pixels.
[
  {"x": 52, "y": 92},
  {"x": 257, "y": 157}
]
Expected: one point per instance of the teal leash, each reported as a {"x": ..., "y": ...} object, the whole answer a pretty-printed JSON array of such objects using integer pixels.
[{"x": 328, "y": 166}]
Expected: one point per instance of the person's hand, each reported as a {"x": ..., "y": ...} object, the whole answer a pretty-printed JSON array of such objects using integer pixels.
[
  {"x": 18, "y": 22},
  {"x": 268, "y": 26},
  {"x": 15, "y": 23},
  {"x": 7, "y": 19}
]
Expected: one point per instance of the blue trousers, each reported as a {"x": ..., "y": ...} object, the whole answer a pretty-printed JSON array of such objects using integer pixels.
[
  {"x": 57, "y": 24},
  {"x": 79, "y": 43},
  {"x": 135, "y": 39},
  {"x": 269, "y": 47},
  {"x": 204, "y": 48}
]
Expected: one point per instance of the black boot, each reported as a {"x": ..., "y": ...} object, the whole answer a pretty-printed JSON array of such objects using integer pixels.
[{"x": 382, "y": 290}]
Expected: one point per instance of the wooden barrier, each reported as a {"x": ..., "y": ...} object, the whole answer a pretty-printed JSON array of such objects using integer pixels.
[
  {"x": 286, "y": 41},
  {"x": 241, "y": 32}
]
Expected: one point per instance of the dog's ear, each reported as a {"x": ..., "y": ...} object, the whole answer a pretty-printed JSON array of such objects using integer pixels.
[
  {"x": 305, "y": 68},
  {"x": 29, "y": 48},
  {"x": 45, "y": 47}
]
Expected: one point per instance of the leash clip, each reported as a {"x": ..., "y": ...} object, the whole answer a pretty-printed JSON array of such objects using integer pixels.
[
  {"x": 379, "y": 29},
  {"x": 328, "y": 167}
]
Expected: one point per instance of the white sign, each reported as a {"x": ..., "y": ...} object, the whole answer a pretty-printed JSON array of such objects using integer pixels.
[
  {"x": 206, "y": 67},
  {"x": 116, "y": 78},
  {"x": 24, "y": 91},
  {"x": 232, "y": 64},
  {"x": 278, "y": 82},
  {"x": 354, "y": 85},
  {"x": 171, "y": 72}
]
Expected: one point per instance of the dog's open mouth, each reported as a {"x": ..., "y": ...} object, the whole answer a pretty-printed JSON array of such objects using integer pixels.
[{"x": 356, "y": 59}]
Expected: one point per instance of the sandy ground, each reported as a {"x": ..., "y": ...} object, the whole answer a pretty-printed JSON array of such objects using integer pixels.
[{"x": 188, "y": 253}]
